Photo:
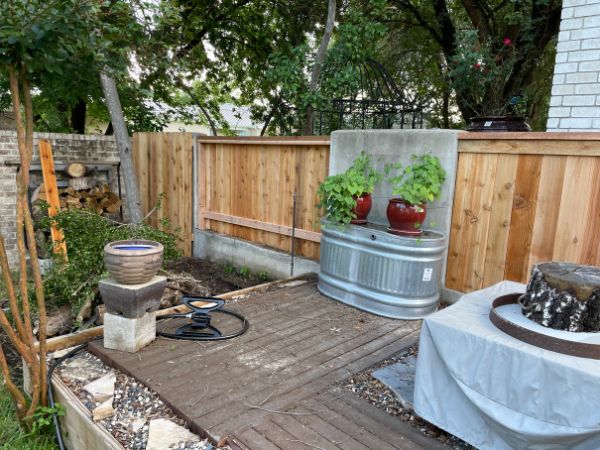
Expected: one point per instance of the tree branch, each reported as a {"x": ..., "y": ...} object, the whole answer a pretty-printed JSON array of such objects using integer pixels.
[{"x": 479, "y": 19}]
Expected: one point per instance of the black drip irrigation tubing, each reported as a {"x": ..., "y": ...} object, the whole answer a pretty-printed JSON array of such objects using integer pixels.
[{"x": 188, "y": 302}]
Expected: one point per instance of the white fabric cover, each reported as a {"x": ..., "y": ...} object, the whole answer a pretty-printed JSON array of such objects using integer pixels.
[{"x": 496, "y": 392}]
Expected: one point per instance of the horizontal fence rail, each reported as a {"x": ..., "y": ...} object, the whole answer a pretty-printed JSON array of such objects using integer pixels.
[
  {"x": 523, "y": 198},
  {"x": 247, "y": 188}
]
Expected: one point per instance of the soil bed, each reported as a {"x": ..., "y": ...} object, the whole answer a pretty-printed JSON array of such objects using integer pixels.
[
  {"x": 217, "y": 278},
  {"x": 378, "y": 394}
]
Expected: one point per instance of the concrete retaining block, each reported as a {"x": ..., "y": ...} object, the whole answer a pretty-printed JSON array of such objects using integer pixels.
[
  {"x": 132, "y": 300},
  {"x": 129, "y": 335}
]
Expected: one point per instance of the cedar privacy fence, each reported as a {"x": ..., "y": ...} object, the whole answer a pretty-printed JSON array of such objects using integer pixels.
[{"x": 520, "y": 198}]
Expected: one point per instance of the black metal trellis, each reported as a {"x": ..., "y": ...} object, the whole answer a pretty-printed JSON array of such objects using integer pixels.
[{"x": 378, "y": 104}]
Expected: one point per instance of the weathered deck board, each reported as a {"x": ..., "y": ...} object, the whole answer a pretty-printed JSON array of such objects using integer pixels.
[{"x": 272, "y": 386}]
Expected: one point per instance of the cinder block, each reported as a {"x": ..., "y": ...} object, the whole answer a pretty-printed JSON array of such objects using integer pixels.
[
  {"x": 132, "y": 300},
  {"x": 129, "y": 335}
]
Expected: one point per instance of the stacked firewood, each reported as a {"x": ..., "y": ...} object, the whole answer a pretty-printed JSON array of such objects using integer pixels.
[
  {"x": 84, "y": 192},
  {"x": 99, "y": 199}
]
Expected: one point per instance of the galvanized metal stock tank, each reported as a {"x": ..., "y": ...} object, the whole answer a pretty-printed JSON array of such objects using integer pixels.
[{"x": 376, "y": 271}]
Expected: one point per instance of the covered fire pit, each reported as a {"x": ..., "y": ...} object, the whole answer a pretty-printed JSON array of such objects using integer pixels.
[{"x": 500, "y": 392}]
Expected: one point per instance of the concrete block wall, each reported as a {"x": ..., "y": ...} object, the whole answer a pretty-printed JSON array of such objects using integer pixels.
[
  {"x": 398, "y": 146},
  {"x": 65, "y": 148},
  {"x": 575, "y": 101},
  {"x": 393, "y": 146}
]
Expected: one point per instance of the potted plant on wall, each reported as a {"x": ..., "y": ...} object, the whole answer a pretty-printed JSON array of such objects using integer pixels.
[
  {"x": 414, "y": 186},
  {"x": 346, "y": 197},
  {"x": 479, "y": 75}
]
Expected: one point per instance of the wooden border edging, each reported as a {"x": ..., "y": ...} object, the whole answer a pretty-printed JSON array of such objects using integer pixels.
[
  {"x": 81, "y": 337},
  {"x": 264, "y": 226},
  {"x": 78, "y": 429}
]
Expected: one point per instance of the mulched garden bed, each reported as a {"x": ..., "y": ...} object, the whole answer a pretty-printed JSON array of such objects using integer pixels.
[{"x": 378, "y": 394}]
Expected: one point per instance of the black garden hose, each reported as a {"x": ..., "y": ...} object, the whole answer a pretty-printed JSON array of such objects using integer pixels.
[
  {"x": 195, "y": 314},
  {"x": 201, "y": 316}
]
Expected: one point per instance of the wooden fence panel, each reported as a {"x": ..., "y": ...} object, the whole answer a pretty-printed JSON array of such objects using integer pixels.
[
  {"x": 163, "y": 163},
  {"x": 520, "y": 200},
  {"x": 246, "y": 189}
]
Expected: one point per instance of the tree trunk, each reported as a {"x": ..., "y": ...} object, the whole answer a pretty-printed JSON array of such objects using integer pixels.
[
  {"x": 132, "y": 196},
  {"x": 78, "y": 117},
  {"x": 318, "y": 64},
  {"x": 564, "y": 296}
]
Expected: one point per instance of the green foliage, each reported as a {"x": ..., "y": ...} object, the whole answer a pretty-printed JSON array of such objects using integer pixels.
[
  {"x": 229, "y": 269},
  {"x": 43, "y": 418},
  {"x": 244, "y": 272},
  {"x": 337, "y": 193},
  {"x": 12, "y": 436},
  {"x": 419, "y": 183},
  {"x": 479, "y": 73},
  {"x": 86, "y": 234},
  {"x": 62, "y": 47},
  {"x": 263, "y": 275}
]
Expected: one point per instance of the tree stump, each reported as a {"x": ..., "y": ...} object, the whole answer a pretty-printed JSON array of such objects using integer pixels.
[
  {"x": 563, "y": 296},
  {"x": 76, "y": 169}
]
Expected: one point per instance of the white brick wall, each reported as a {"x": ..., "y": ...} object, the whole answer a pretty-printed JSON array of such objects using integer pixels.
[
  {"x": 65, "y": 148},
  {"x": 575, "y": 101}
]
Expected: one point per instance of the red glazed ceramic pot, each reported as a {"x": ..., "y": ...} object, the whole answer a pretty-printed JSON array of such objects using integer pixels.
[
  {"x": 405, "y": 218},
  {"x": 362, "y": 208}
]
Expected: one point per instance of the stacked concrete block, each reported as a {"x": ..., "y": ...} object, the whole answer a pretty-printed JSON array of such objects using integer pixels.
[
  {"x": 130, "y": 318},
  {"x": 575, "y": 101}
]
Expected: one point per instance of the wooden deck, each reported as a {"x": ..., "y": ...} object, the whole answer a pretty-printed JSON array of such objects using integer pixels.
[{"x": 274, "y": 387}]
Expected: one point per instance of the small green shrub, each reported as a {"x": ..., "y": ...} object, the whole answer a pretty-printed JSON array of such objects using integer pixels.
[
  {"x": 86, "y": 234},
  {"x": 244, "y": 272},
  {"x": 419, "y": 183},
  {"x": 263, "y": 275},
  {"x": 12, "y": 435},
  {"x": 337, "y": 193},
  {"x": 43, "y": 419},
  {"x": 229, "y": 269}
]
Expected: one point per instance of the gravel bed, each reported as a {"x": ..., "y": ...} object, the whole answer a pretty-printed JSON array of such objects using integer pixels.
[
  {"x": 134, "y": 404},
  {"x": 378, "y": 394}
]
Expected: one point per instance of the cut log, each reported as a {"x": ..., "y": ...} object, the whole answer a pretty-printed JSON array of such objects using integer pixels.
[
  {"x": 73, "y": 202},
  {"x": 76, "y": 169},
  {"x": 112, "y": 209},
  {"x": 563, "y": 296},
  {"x": 80, "y": 184}
]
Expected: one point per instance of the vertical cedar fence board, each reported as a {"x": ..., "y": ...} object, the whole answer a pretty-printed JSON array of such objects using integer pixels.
[
  {"x": 246, "y": 187},
  {"x": 523, "y": 198},
  {"x": 163, "y": 164}
]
